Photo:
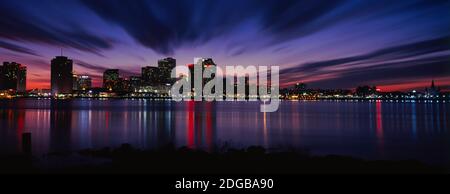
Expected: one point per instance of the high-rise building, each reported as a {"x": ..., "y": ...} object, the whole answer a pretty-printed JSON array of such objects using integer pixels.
[
  {"x": 84, "y": 82},
  {"x": 111, "y": 79},
  {"x": 204, "y": 62},
  {"x": 151, "y": 76},
  {"x": 165, "y": 67},
  {"x": 61, "y": 75},
  {"x": 135, "y": 83},
  {"x": 123, "y": 85},
  {"x": 13, "y": 76},
  {"x": 22, "y": 79},
  {"x": 74, "y": 81}
]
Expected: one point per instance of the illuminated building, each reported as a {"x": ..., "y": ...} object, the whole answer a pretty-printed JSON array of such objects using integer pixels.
[
  {"x": 111, "y": 79},
  {"x": 165, "y": 68},
  {"x": 123, "y": 85},
  {"x": 74, "y": 81},
  {"x": 135, "y": 83},
  {"x": 22, "y": 79},
  {"x": 61, "y": 75},
  {"x": 204, "y": 62},
  {"x": 13, "y": 76},
  {"x": 84, "y": 82},
  {"x": 151, "y": 76}
]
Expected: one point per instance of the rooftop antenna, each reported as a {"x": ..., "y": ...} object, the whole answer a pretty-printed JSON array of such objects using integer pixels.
[{"x": 61, "y": 51}]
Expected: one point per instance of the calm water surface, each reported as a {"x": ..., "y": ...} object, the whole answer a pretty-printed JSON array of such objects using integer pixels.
[{"x": 372, "y": 130}]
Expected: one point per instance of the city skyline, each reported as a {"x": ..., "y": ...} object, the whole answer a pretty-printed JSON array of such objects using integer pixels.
[
  {"x": 149, "y": 76},
  {"x": 339, "y": 44}
]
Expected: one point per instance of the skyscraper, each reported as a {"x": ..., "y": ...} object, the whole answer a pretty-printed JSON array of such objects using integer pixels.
[
  {"x": 135, "y": 83},
  {"x": 111, "y": 79},
  {"x": 74, "y": 81},
  {"x": 165, "y": 66},
  {"x": 61, "y": 75},
  {"x": 84, "y": 82},
  {"x": 204, "y": 62},
  {"x": 151, "y": 76},
  {"x": 13, "y": 76},
  {"x": 22, "y": 79}
]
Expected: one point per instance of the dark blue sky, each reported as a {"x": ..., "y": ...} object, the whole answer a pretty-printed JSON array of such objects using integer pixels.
[{"x": 399, "y": 44}]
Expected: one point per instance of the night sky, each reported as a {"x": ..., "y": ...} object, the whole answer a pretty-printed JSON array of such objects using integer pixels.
[{"x": 396, "y": 45}]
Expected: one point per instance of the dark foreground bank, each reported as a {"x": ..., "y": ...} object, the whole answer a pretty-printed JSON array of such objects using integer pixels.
[{"x": 169, "y": 160}]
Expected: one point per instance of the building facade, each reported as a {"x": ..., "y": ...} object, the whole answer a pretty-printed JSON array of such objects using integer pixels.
[
  {"x": 151, "y": 76},
  {"x": 61, "y": 75},
  {"x": 165, "y": 67},
  {"x": 13, "y": 76},
  {"x": 135, "y": 83},
  {"x": 111, "y": 79},
  {"x": 204, "y": 63},
  {"x": 84, "y": 82}
]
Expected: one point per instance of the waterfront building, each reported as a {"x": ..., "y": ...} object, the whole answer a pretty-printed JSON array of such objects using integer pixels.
[
  {"x": 111, "y": 79},
  {"x": 165, "y": 67},
  {"x": 84, "y": 82},
  {"x": 13, "y": 76},
  {"x": 135, "y": 83},
  {"x": 151, "y": 76},
  {"x": 61, "y": 75}
]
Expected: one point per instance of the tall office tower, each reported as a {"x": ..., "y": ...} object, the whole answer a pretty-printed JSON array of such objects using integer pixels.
[
  {"x": 13, "y": 76},
  {"x": 165, "y": 66},
  {"x": 84, "y": 82},
  {"x": 61, "y": 75},
  {"x": 22, "y": 79},
  {"x": 111, "y": 79},
  {"x": 151, "y": 76},
  {"x": 123, "y": 85},
  {"x": 74, "y": 81},
  {"x": 135, "y": 83},
  {"x": 204, "y": 63}
]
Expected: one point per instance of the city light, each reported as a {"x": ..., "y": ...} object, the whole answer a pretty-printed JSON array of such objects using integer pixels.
[{"x": 155, "y": 82}]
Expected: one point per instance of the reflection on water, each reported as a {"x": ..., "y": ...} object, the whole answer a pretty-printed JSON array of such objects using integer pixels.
[
  {"x": 379, "y": 121},
  {"x": 375, "y": 130},
  {"x": 200, "y": 124}
]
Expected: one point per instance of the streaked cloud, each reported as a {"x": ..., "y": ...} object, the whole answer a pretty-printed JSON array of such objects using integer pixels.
[{"x": 337, "y": 43}]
